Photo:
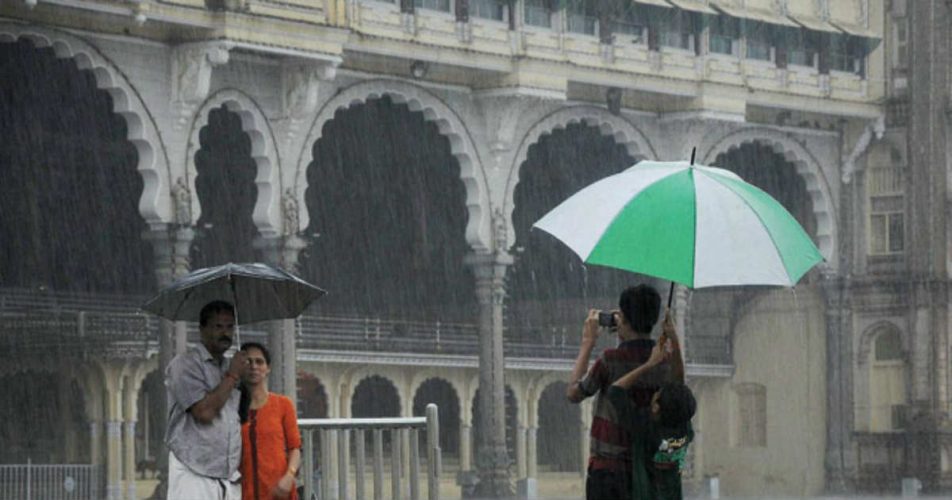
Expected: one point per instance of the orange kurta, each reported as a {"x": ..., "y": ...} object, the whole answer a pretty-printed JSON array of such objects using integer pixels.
[{"x": 270, "y": 433}]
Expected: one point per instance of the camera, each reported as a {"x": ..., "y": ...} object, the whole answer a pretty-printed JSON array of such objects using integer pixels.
[{"x": 607, "y": 319}]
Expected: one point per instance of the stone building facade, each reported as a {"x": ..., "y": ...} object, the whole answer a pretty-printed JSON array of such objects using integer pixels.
[{"x": 840, "y": 385}]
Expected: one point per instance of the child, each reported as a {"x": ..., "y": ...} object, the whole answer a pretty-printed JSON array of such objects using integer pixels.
[{"x": 659, "y": 436}]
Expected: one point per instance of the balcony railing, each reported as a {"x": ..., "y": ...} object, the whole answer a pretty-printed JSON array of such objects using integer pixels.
[
  {"x": 51, "y": 482},
  {"x": 333, "y": 438},
  {"x": 31, "y": 321}
]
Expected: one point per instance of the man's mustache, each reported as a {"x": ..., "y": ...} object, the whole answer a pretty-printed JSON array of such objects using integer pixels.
[{"x": 224, "y": 338}]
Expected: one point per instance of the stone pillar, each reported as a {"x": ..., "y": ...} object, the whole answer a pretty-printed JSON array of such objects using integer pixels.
[
  {"x": 492, "y": 459},
  {"x": 282, "y": 252},
  {"x": 521, "y": 466},
  {"x": 532, "y": 458},
  {"x": 465, "y": 446},
  {"x": 585, "y": 439},
  {"x": 130, "y": 397},
  {"x": 170, "y": 248},
  {"x": 113, "y": 460},
  {"x": 839, "y": 367},
  {"x": 95, "y": 441},
  {"x": 129, "y": 458}
]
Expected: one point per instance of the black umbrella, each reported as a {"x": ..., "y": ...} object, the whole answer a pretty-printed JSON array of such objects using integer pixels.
[{"x": 259, "y": 292}]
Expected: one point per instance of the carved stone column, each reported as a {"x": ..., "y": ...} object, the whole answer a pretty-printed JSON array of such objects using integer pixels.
[
  {"x": 282, "y": 338},
  {"x": 839, "y": 456},
  {"x": 170, "y": 249},
  {"x": 129, "y": 458},
  {"x": 492, "y": 459}
]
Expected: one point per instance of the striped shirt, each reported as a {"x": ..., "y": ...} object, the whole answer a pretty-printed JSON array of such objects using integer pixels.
[{"x": 609, "y": 441}]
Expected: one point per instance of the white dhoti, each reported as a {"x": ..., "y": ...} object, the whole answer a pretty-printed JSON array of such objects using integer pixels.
[{"x": 187, "y": 485}]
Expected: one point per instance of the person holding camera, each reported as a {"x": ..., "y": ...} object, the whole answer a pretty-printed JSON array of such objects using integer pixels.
[{"x": 609, "y": 465}]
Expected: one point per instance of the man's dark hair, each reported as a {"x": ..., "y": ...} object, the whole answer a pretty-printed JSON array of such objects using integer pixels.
[
  {"x": 677, "y": 404},
  {"x": 641, "y": 306},
  {"x": 212, "y": 308},
  {"x": 260, "y": 347}
]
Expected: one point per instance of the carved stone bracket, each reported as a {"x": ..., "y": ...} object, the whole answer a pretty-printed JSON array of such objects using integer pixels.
[
  {"x": 875, "y": 128},
  {"x": 192, "y": 65},
  {"x": 502, "y": 113},
  {"x": 301, "y": 81},
  {"x": 182, "y": 202}
]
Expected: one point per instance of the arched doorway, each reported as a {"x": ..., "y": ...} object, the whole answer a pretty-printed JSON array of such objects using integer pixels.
[
  {"x": 441, "y": 393},
  {"x": 226, "y": 189},
  {"x": 549, "y": 288},
  {"x": 388, "y": 217},
  {"x": 559, "y": 431},
  {"x": 312, "y": 396},
  {"x": 70, "y": 189}
]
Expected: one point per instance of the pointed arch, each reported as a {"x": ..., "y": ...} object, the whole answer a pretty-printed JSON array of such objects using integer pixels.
[
  {"x": 267, "y": 211},
  {"x": 618, "y": 128},
  {"x": 155, "y": 204},
  {"x": 434, "y": 110},
  {"x": 806, "y": 165}
]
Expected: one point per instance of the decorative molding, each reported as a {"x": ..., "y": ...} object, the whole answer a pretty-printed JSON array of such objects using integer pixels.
[
  {"x": 267, "y": 213},
  {"x": 874, "y": 129},
  {"x": 141, "y": 130},
  {"x": 621, "y": 130},
  {"x": 434, "y": 109},
  {"x": 192, "y": 65},
  {"x": 469, "y": 362}
]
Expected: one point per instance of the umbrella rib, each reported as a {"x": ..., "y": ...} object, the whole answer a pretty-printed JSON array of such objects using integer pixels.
[{"x": 770, "y": 235}]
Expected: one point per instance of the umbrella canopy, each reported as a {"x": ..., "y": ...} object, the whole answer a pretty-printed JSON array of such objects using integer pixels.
[
  {"x": 259, "y": 292},
  {"x": 695, "y": 225}
]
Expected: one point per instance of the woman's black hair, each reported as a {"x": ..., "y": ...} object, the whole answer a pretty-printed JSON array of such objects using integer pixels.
[{"x": 244, "y": 404}]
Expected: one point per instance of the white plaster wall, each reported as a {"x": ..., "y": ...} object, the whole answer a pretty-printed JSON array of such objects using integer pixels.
[{"x": 780, "y": 344}]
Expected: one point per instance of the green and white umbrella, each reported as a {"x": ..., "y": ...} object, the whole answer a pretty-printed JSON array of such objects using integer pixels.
[{"x": 695, "y": 225}]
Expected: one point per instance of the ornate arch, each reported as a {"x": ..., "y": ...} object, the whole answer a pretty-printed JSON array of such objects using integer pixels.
[
  {"x": 807, "y": 166},
  {"x": 434, "y": 110},
  {"x": 267, "y": 214},
  {"x": 358, "y": 376},
  {"x": 421, "y": 377},
  {"x": 535, "y": 394},
  {"x": 155, "y": 202},
  {"x": 618, "y": 128},
  {"x": 869, "y": 335}
]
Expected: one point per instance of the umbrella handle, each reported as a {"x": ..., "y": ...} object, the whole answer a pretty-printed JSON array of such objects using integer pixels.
[
  {"x": 234, "y": 294},
  {"x": 670, "y": 294}
]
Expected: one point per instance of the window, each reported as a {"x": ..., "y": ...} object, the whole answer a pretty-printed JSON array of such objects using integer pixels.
[
  {"x": 751, "y": 414},
  {"x": 900, "y": 42},
  {"x": 887, "y": 381},
  {"x": 801, "y": 47},
  {"x": 724, "y": 32},
  {"x": 844, "y": 54},
  {"x": 631, "y": 24},
  {"x": 488, "y": 9},
  {"x": 758, "y": 41},
  {"x": 677, "y": 30},
  {"x": 538, "y": 13},
  {"x": 441, "y": 5},
  {"x": 886, "y": 211},
  {"x": 582, "y": 17}
]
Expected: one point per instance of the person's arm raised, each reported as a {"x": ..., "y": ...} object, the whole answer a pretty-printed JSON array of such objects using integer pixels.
[
  {"x": 589, "y": 336},
  {"x": 673, "y": 343},
  {"x": 658, "y": 356},
  {"x": 209, "y": 407}
]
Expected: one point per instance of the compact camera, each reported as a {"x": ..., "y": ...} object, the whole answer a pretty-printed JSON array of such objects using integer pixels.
[{"x": 607, "y": 319}]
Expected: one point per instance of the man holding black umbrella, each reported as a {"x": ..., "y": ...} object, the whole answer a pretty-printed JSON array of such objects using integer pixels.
[{"x": 204, "y": 432}]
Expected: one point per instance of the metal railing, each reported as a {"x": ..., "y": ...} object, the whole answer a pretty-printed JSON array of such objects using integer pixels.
[
  {"x": 50, "y": 482},
  {"x": 84, "y": 322},
  {"x": 333, "y": 436}
]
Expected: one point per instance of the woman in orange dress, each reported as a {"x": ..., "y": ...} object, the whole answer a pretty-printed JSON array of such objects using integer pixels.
[{"x": 270, "y": 440}]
